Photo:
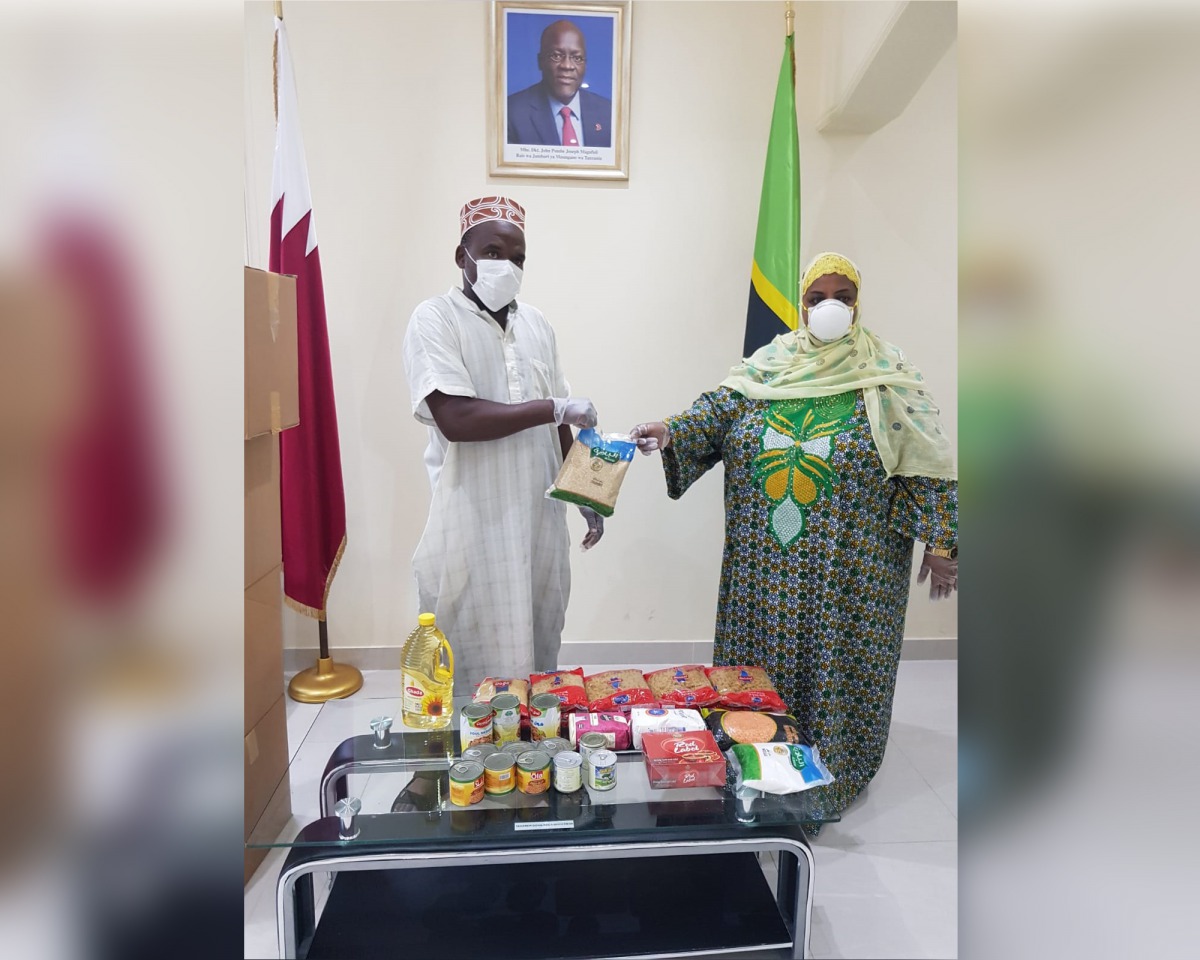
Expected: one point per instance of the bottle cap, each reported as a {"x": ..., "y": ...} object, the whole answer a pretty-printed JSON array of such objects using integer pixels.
[{"x": 426, "y": 619}]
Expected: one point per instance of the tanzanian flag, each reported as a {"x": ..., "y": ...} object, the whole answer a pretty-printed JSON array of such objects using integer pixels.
[{"x": 774, "y": 275}]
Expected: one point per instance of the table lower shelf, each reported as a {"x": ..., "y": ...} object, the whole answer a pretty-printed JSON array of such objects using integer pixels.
[{"x": 713, "y": 903}]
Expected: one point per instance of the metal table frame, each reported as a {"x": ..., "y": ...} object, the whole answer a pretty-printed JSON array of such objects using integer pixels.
[{"x": 297, "y": 916}]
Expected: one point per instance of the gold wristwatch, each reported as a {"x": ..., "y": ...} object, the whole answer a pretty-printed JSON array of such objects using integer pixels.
[{"x": 951, "y": 554}]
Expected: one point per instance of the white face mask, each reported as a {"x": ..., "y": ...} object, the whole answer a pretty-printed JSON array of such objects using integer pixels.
[
  {"x": 830, "y": 320},
  {"x": 497, "y": 282}
]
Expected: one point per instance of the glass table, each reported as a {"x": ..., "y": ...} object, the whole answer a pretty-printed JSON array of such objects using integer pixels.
[{"x": 630, "y": 871}]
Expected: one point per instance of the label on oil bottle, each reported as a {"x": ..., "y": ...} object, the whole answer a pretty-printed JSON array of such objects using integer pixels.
[{"x": 416, "y": 694}]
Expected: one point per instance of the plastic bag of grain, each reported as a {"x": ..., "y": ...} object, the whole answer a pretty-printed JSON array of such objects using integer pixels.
[{"x": 593, "y": 470}]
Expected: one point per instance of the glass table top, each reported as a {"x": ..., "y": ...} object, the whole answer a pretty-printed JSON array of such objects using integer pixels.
[{"x": 402, "y": 794}]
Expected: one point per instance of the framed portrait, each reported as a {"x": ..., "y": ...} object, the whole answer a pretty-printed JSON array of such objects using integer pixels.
[{"x": 559, "y": 90}]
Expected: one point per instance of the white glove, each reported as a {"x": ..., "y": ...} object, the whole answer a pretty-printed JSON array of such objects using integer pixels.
[
  {"x": 576, "y": 411},
  {"x": 651, "y": 436},
  {"x": 595, "y": 524}
]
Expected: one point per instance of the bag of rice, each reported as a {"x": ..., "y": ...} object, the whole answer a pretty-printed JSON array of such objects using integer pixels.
[
  {"x": 567, "y": 685},
  {"x": 614, "y": 689},
  {"x": 749, "y": 726},
  {"x": 593, "y": 470},
  {"x": 682, "y": 686},
  {"x": 778, "y": 767},
  {"x": 746, "y": 688}
]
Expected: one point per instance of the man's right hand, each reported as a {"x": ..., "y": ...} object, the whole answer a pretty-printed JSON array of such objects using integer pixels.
[
  {"x": 651, "y": 436},
  {"x": 574, "y": 411}
]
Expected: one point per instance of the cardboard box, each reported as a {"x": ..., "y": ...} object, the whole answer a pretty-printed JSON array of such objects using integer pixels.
[
  {"x": 683, "y": 760},
  {"x": 266, "y": 756},
  {"x": 272, "y": 370},
  {"x": 263, "y": 639},
  {"x": 261, "y": 507},
  {"x": 267, "y": 785}
]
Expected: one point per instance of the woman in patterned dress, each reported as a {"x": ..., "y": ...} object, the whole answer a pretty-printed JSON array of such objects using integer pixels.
[{"x": 835, "y": 462}]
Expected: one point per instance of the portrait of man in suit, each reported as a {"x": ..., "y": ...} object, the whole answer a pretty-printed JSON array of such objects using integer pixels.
[{"x": 560, "y": 110}]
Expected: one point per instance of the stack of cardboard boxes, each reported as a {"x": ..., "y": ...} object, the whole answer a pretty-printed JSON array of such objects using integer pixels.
[{"x": 272, "y": 405}]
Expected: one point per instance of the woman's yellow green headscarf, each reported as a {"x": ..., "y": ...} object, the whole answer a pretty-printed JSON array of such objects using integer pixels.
[{"x": 904, "y": 419}]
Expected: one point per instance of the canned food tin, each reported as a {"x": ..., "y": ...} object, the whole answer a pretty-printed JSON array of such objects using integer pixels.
[
  {"x": 544, "y": 716},
  {"x": 479, "y": 752},
  {"x": 498, "y": 775},
  {"x": 506, "y": 718},
  {"x": 466, "y": 783},
  {"x": 553, "y": 746},
  {"x": 533, "y": 772},
  {"x": 474, "y": 725},
  {"x": 602, "y": 770},
  {"x": 517, "y": 747},
  {"x": 568, "y": 772},
  {"x": 589, "y": 743}
]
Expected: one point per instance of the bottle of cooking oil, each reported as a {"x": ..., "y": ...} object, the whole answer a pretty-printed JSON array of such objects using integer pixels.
[{"x": 428, "y": 682}]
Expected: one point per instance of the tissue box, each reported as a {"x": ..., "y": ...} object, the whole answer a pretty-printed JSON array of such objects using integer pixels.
[
  {"x": 683, "y": 760},
  {"x": 643, "y": 720}
]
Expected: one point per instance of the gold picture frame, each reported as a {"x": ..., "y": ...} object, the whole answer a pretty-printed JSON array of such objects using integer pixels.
[{"x": 525, "y": 137}]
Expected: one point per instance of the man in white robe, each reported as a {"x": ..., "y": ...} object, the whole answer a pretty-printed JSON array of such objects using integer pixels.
[{"x": 485, "y": 378}]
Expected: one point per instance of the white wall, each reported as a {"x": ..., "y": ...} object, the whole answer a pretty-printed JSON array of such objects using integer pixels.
[{"x": 393, "y": 101}]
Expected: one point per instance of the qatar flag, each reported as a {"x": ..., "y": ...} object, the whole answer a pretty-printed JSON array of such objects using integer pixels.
[{"x": 312, "y": 501}]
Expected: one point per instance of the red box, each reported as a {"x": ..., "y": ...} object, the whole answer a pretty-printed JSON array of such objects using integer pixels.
[{"x": 683, "y": 760}]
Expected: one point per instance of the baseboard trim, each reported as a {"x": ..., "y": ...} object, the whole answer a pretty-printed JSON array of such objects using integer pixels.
[
  {"x": 601, "y": 653},
  {"x": 296, "y": 659}
]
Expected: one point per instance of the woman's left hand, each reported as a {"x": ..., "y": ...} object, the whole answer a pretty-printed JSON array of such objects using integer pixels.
[{"x": 942, "y": 573}]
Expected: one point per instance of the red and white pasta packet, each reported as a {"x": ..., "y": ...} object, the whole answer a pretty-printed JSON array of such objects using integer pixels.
[
  {"x": 567, "y": 685},
  {"x": 617, "y": 690},
  {"x": 746, "y": 688},
  {"x": 682, "y": 686},
  {"x": 490, "y": 686}
]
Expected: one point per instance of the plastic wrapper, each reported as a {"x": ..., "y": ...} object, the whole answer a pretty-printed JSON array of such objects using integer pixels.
[
  {"x": 615, "y": 689},
  {"x": 778, "y": 767},
  {"x": 593, "y": 470},
  {"x": 729, "y": 727},
  {"x": 643, "y": 720},
  {"x": 613, "y": 726},
  {"x": 682, "y": 686},
  {"x": 745, "y": 688},
  {"x": 567, "y": 685},
  {"x": 518, "y": 686}
]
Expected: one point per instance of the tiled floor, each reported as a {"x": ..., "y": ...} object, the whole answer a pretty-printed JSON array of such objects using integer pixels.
[{"x": 886, "y": 876}]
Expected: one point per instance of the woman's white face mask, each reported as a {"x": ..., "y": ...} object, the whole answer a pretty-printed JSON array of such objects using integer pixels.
[{"x": 830, "y": 320}]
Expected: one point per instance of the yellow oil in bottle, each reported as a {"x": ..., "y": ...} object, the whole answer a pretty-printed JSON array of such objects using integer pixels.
[{"x": 428, "y": 697}]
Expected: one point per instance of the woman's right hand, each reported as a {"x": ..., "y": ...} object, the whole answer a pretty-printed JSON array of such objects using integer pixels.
[{"x": 651, "y": 436}]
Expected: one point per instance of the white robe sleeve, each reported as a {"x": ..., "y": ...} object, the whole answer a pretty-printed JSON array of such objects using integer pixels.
[{"x": 433, "y": 360}]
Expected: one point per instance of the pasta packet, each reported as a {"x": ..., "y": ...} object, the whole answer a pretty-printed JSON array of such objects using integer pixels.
[
  {"x": 567, "y": 685},
  {"x": 746, "y": 688},
  {"x": 615, "y": 689},
  {"x": 682, "y": 686},
  {"x": 490, "y": 686},
  {"x": 778, "y": 767},
  {"x": 593, "y": 470},
  {"x": 750, "y": 726}
]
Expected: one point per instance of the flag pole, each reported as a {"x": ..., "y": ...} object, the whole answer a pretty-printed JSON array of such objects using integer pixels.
[
  {"x": 327, "y": 680},
  {"x": 788, "y": 18}
]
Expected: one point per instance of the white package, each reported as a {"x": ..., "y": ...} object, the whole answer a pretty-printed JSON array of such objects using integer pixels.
[{"x": 664, "y": 720}]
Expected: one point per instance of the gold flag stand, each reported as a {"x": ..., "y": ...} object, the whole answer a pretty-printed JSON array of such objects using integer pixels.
[{"x": 327, "y": 680}]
